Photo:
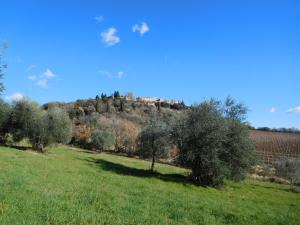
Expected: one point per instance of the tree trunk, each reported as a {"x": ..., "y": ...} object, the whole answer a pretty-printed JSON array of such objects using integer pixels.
[{"x": 153, "y": 161}]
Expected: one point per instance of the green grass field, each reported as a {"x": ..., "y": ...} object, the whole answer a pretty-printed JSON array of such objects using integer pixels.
[{"x": 67, "y": 186}]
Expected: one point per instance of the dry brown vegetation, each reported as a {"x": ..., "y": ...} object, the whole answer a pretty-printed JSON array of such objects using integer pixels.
[{"x": 274, "y": 146}]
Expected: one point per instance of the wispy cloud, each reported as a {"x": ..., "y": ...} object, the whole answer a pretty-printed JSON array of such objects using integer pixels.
[
  {"x": 33, "y": 77},
  {"x": 31, "y": 67},
  {"x": 294, "y": 110},
  {"x": 111, "y": 75},
  {"x": 99, "y": 19},
  {"x": 120, "y": 74},
  {"x": 109, "y": 37},
  {"x": 142, "y": 28},
  {"x": 42, "y": 80},
  {"x": 42, "y": 83},
  {"x": 273, "y": 110},
  {"x": 48, "y": 74},
  {"x": 17, "y": 96}
]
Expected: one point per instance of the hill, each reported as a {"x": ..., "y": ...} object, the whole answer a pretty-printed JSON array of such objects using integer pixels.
[{"x": 74, "y": 186}]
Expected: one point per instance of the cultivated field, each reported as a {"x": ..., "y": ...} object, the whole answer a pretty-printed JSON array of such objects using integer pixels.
[
  {"x": 273, "y": 146},
  {"x": 68, "y": 186}
]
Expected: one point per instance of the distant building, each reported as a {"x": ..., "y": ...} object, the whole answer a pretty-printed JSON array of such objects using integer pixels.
[{"x": 154, "y": 100}]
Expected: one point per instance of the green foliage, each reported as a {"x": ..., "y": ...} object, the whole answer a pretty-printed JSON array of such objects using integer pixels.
[
  {"x": 42, "y": 128},
  {"x": 22, "y": 119},
  {"x": 238, "y": 150},
  {"x": 117, "y": 95},
  {"x": 103, "y": 139},
  {"x": 214, "y": 142},
  {"x": 289, "y": 169},
  {"x": 154, "y": 140},
  {"x": 4, "y": 119},
  {"x": 58, "y": 126},
  {"x": 203, "y": 143}
]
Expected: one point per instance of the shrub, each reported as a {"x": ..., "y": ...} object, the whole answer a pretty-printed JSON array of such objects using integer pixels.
[
  {"x": 290, "y": 170},
  {"x": 103, "y": 139}
]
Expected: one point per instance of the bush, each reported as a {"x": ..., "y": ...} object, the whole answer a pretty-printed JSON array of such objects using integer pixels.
[
  {"x": 290, "y": 170},
  {"x": 103, "y": 139}
]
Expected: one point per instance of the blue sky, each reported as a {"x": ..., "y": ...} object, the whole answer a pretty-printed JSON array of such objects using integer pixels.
[{"x": 186, "y": 50}]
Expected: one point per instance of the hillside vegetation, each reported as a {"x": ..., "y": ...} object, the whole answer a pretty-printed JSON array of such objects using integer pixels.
[{"x": 73, "y": 186}]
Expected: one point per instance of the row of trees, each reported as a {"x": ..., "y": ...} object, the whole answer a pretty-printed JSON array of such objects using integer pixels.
[
  {"x": 26, "y": 120},
  {"x": 213, "y": 141}
]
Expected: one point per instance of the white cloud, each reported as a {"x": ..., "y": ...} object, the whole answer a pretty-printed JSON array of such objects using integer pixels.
[
  {"x": 273, "y": 110},
  {"x": 142, "y": 28},
  {"x": 33, "y": 77},
  {"x": 99, "y": 19},
  {"x": 42, "y": 80},
  {"x": 42, "y": 83},
  {"x": 31, "y": 67},
  {"x": 111, "y": 75},
  {"x": 294, "y": 110},
  {"x": 120, "y": 74},
  {"x": 15, "y": 97},
  {"x": 109, "y": 36},
  {"x": 105, "y": 73},
  {"x": 49, "y": 74}
]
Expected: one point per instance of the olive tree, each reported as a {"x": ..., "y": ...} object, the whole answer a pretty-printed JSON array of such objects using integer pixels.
[
  {"x": 154, "y": 140},
  {"x": 214, "y": 142},
  {"x": 4, "y": 117},
  {"x": 103, "y": 139},
  {"x": 42, "y": 128},
  {"x": 203, "y": 143},
  {"x": 238, "y": 150}
]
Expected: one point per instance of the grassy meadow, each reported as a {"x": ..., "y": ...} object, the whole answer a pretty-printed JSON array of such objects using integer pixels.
[{"x": 74, "y": 186}]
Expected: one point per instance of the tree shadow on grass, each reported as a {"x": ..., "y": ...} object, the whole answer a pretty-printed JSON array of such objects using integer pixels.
[
  {"x": 21, "y": 148},
  {"x": 130, "y": 171},
  {"x": 285, "y": 187}
]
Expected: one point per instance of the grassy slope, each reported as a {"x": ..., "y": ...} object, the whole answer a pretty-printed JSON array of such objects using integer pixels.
[{"x": 75, "y": 187}]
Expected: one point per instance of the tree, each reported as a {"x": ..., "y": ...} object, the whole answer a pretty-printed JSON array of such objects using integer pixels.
[
  {"x": 117, "y": 95},
  {"x": 21, "y": 119},
  {"x": 238, "y": 151},
  {"x": 4, "y": 118},
  {"x": 58, "y": 125},
  {"x": 42, "y": 128},
  {"x": 214, "y": 142},
  {"x": 154, "y": 140},
  {"x": 202, "y": 144},
  {"x": 103, "y": 139}
]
